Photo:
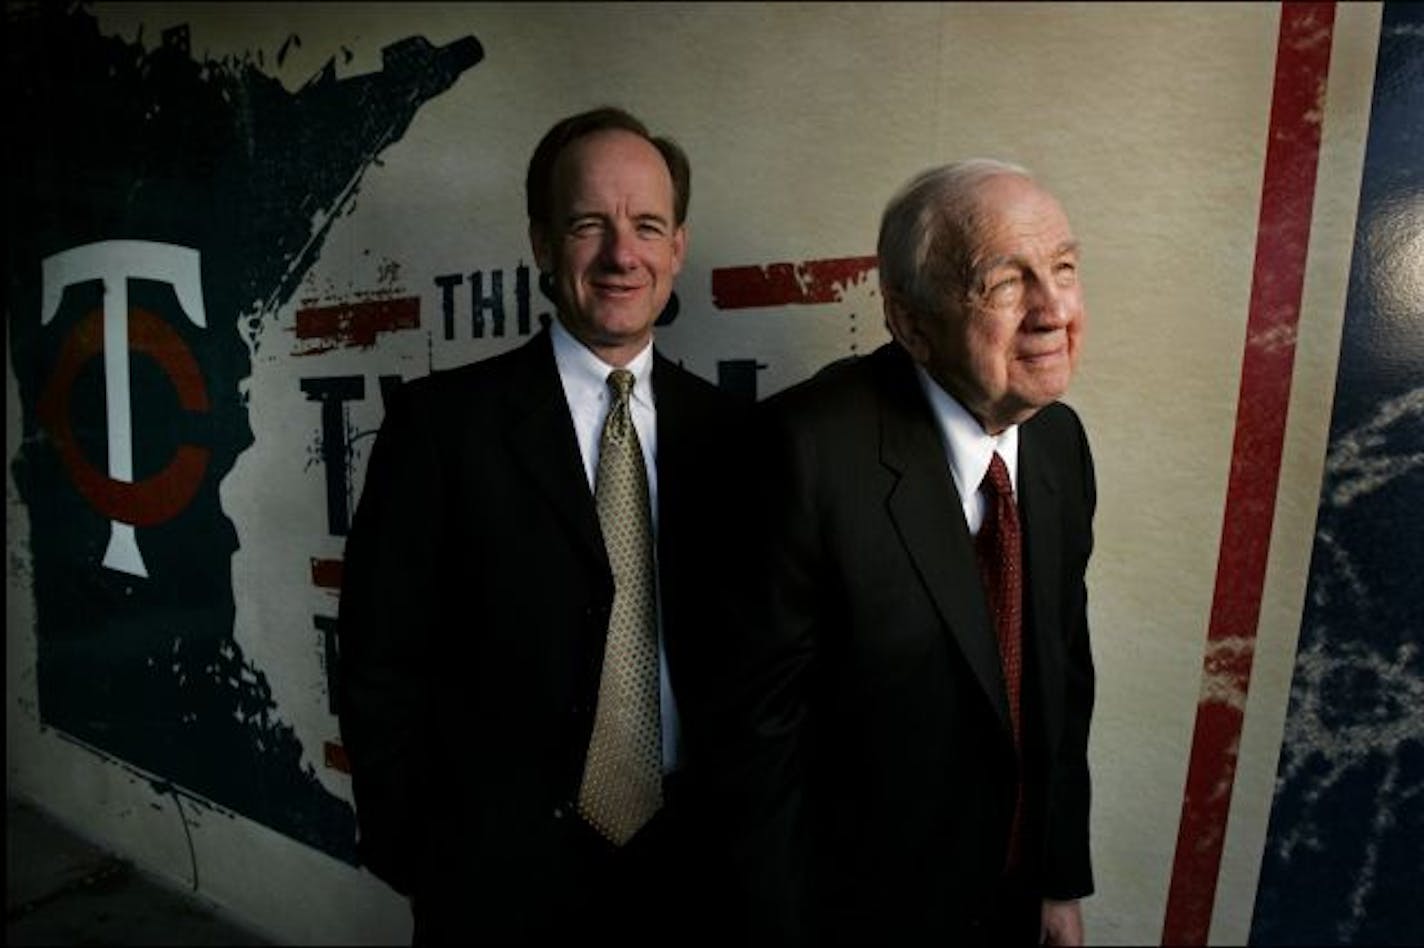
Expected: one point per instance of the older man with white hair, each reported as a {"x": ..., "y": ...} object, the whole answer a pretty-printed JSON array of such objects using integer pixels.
[{"x": 921, "y": 683}]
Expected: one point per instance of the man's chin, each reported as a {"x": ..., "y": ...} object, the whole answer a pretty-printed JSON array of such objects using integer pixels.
[
  {"x": 1046, "y": 384},
  {"x": 616, "y": 335},
  {"x": 631, "y": 320}
]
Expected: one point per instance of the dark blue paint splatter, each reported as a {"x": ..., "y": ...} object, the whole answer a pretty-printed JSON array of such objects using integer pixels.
[{"x": 108, "y": 141}]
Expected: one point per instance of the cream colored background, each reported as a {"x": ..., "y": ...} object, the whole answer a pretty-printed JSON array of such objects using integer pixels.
[{"x": 1149, "y": 121}]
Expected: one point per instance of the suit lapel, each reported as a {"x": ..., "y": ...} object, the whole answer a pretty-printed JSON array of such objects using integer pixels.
[
  {"x": 928, "y": 515},
  {"x": 677, "y": 430},
  {"x": 1042, "y": 517},
  {"x": 672, "y": 428},
  {"x": 542, "y": 440}
]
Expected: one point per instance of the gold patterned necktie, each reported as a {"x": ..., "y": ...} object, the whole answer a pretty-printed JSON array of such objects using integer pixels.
[{"x": 622, "y": 777}]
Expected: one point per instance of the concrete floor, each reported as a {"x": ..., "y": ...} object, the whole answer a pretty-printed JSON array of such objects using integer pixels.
[{"x": 62, "y": 890}]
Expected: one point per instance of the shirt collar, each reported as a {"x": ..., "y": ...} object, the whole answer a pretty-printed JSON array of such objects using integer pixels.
[
  {"x": 585, "y": 375},
  {"x": 969, "y": 446}
]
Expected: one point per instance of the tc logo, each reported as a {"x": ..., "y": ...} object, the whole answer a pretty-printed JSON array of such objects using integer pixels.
[{"x": 114, "y": 332}]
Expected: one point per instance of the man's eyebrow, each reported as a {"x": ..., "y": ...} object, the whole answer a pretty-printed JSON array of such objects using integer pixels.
[
  {"x": 575, "y": 214},
  {"x": 984, "y": 266}
]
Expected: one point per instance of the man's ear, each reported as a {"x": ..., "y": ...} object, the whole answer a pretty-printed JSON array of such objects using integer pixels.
[
  {"x": 543, "y": 249},
  {"x": 904, "y": 326}
]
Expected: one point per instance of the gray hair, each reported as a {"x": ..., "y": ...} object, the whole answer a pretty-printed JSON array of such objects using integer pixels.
[{"x": 923, "y": 248}]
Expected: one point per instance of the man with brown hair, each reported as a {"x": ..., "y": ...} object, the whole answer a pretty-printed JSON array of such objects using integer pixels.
[{"x": 528, "y": 587}]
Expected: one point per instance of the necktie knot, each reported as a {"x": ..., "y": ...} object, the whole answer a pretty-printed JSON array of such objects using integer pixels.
[
  {"x": 621, "y": 382},
  {"x": 619, "y": 423},
  {"x": 996, "y": 479}
]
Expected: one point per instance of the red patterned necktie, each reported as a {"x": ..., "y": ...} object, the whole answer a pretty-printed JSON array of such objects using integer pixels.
[{"x": 999, "y": 547}]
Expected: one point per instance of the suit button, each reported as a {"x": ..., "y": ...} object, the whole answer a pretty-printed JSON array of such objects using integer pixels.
[{"x": 559, "y": 812}]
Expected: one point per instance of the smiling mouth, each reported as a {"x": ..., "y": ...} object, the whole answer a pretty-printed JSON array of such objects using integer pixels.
[
  {"x": 616, "y": 289},
  {"x": 1045, "y": 356}
]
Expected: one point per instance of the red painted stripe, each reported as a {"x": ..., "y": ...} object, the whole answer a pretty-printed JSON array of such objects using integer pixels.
[
  {"x": 782, "y": 284},
  {"x": 355, "y": 323},
  {"x": 1282, "y": 238},
  {"x": 326, "y": 573}
]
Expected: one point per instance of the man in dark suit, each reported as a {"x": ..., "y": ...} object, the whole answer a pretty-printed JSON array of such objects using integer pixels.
[
  {"x": 915, "y": 781},
  {"x": 519, "y": 657}
]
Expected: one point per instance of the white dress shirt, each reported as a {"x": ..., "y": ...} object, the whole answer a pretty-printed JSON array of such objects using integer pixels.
[
  {"x": 969, "y": 449},
  {"x": 585, "y": 381}
]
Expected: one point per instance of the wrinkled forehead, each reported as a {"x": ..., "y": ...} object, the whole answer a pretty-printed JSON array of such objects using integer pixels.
[{"x": 1008, "y": 207}]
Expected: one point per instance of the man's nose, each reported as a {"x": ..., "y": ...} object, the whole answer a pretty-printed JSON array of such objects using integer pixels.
[
  {"x": 1048, "y": 303},
  {"x": 618, "y": 248}
]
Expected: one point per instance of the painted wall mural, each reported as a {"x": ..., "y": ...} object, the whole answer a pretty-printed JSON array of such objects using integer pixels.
[
  {"x": 163, "y": 209},
  {"x": 1347, "y": 825},
  {"x": 231, "y": 228}
]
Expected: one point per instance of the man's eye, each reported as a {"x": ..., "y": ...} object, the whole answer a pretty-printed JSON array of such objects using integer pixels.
[
  {"x": 584, "y": 227},
  {"x": 1004, "y": 290},
  {"x": 1066, "y": 273},
  {"x": 651, "y": 229}
]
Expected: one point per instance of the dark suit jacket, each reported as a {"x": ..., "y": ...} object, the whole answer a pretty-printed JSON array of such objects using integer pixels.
[
  {"x": 882, "y": 772},
  {"x": 473, "y": 614}
]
